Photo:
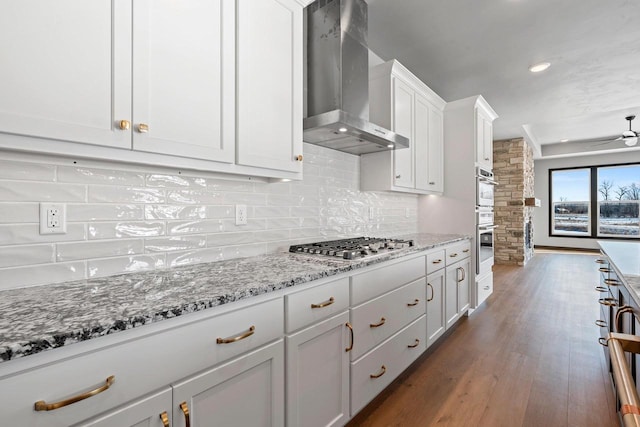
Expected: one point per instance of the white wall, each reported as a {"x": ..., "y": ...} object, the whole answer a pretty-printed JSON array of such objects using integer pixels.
[
  {"x": 541, "y": 217},
  {"x": 124, "y": 218}
]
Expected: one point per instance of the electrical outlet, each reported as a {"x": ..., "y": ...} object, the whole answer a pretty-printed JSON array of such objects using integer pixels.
[
  {"x": 53, "y": 218},
  {"x": 371, "y": 213},
  {"x": 241, "y": 214}
]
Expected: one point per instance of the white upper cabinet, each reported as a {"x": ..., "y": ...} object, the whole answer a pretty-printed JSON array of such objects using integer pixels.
[
  {"x": 207, "y": 85},
  {"x": 183, "y": 74},
  {"x": 401, "y": 102},
  {"x": 66, "y": 70},
  {"x": 484, "y": 136},
  {"x": 270, "y": 52}
]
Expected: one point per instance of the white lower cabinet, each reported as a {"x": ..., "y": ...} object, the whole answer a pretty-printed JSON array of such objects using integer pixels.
[
  {"x": 247, "y": 391},
  {"x": 374, "y": 371},
  {"x": 457, "y": 291},
  {"x": 318, "y": 374},
  {"x": 435, "y": 306},
  {"x": 151, "y": 411}
]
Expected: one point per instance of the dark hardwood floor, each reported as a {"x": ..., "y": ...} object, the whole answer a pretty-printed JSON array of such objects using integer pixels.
[{"x": 528, "y": 356}]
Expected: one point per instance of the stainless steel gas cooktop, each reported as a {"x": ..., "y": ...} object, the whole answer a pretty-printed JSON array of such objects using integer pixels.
[{"x": 352, "y": 248}]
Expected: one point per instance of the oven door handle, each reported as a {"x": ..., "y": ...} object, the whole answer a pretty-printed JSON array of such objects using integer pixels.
[
  {"x": 487, "y": 227},
  {"x": 487, "y": 180}
]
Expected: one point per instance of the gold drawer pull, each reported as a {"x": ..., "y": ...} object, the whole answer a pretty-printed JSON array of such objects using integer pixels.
[
  {"x": 185, "y": 411},
  {"x": 601, "y": 261},
  {"x": 324, "y": 304},
  {"x": 299, "y": 157},
  {"x": 414, "y": 345},
  {"x": 143, "y": 128},
  {"x": 430, "y": 299},
  {"x": 414, "y": 303},
  {"x": 383, "y": 369},
  {"x": 436, "y": 261},
  {"x": 124, "y": 125},
  {"x": 348, "y": 325},
  {"x": 247, "y": 334},
  {"x": 603, "y": 341},
  {"x": 601, "y": 323},
  {"x": 622, "y": 310},
  {"x": 165, "y": 419},
  {"x": 41, "y": 405},
  {"x": 375, "y": 325},
  {"x": 453, "y": 255},
  {"x": 609, "y": 302},
  {"x": 601, "y": 289},
  {"x": 611, "y": 282},
  {"x": 604, "y": 270},
  {"x": 465, "y": 250}
]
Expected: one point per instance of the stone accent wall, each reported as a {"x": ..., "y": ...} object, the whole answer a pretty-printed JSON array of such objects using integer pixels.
[{"x": 513, "y": 169}]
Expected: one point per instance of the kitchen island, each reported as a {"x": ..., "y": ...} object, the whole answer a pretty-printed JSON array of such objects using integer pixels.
[{"x": 625, "y": 258}]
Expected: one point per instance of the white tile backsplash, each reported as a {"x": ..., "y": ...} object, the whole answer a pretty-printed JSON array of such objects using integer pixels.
[{"x": 133, "y": 218}]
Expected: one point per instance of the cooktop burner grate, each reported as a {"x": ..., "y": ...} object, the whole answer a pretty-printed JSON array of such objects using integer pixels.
[{"x": 352, "y": 248}]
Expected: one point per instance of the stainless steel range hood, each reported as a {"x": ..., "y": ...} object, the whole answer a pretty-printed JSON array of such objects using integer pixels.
[{"x": 338, "y": 81}]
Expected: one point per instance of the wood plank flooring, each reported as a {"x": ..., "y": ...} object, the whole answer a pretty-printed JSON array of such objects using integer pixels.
[{"x": 529, "y": 356}]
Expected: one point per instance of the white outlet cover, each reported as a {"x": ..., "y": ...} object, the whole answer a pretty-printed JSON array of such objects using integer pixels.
[
  {"x": 241, "y": 214},
  {"x": 57, "y": 211}
]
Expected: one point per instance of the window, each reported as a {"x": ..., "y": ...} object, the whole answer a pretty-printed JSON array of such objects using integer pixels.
[{"x": 597, "y": 201}]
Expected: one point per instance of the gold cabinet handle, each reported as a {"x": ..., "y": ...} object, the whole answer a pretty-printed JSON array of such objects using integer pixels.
[
  {"x": 611, "y": 282},
  {"x": 609, "y": 302},
  {"x": 185, "y": 411},
  {"x": 601, "y": 289},
  {"x": 436, "y": 261},
  {"x": 622, "y": 310},
  {"x": 414, "y": 303},
  {"x": 601, "y": 323},
  {"x": 603, "y": 341},
  {"x": 465, "y": 250},
  {"x": 453, "y": 255},
  {"x": 247, "y": 334},
  {"x": 143, "y": 128},
  {"x": 432, "y": 183},
  {"x": 324, "y": 304},
  {"x": 430, "y": 299},
  {"x": 41, "y": 405},
  {"x": 376, "y": 325},
  {"x": 299, "y": 157},
  {"x": 348, "y": 325},
  {"x": 464, "y": 275},
  {"x": 601, "y": 261},
  {"x": 604, "y": 270},
  {"x": 414, "y": 345},
  {"x": 124, "y": 125},
  {"x": 383, "y": 369},
  {"x": 164, "y": 417},
  {"x": 398, "y": 176}
]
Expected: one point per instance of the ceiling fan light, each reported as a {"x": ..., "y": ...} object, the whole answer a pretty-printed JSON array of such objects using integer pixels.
[
  {"x": 536, "y": 68},
  {"x": 630, "y": 142}
]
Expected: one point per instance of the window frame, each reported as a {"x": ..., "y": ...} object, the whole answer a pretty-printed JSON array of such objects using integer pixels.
[{"x": 593, "y": 203}]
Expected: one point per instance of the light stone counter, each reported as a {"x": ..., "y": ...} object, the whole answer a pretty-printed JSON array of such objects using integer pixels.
[
  {"x": 39, "y": 318},
  {"x": 625, "y": 257}
]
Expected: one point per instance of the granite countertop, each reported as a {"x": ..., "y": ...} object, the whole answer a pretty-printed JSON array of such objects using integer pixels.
[
  {"x": 625, "y": 256},
  {"x": 40, "y": 318}
]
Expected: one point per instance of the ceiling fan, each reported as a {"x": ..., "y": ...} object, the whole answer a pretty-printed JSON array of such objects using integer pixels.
[{"x": 630, "y": 137}]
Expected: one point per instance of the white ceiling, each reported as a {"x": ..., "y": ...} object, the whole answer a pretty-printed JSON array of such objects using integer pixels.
[{"x": 461, "y": 48}]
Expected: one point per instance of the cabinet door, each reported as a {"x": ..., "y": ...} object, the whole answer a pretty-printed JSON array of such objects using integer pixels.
[
  {"x": 184, "y": 78},
  {"x": 487, "y": 144},
  {"x": 248, "y": 391},
  {"x": 66, "y": 70},
  {"x": 457, "y": 291},
  {"x": 318, "y": 374},
  {"x": 404, "y": 173},
  {"x": 463, "y": 286},
  {"x": 420, "y": 142},
  {"x": 435, "y": 306},
  {"x": 270, "y": 56},
  {"x": 147, "y": 412},
  {"x": 435, "y": 149}
]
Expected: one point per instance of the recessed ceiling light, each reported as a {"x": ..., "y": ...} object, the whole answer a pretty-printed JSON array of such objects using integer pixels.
[
  {"x": 342, "y": 129},
  {"x": 564, "y": 140},
  {"x": 390, "y": 146},
  {"x": 539, "y": 67}
]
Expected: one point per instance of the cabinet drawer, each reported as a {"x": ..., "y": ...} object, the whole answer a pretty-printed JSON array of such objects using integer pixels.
[
  {"x": 391, "y": 312},
  {"x": 381, "y": 280},
  {"x": 395, "y": 355},
  {"x": 484, "y": 288},
  {"x": 315, "y": 304},
  {"x": 458, "y": 252},
  {"x": 435, "y": 261},
  {"x": 138, "y": 365}
]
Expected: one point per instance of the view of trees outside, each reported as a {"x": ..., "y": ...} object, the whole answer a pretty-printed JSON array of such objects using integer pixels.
[
  {"x": 618, "y": 202},
  {"x": 571, "y": 200}
]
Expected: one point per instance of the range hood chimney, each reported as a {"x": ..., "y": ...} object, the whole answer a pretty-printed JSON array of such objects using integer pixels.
[{"x": 338, "y": 81}]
